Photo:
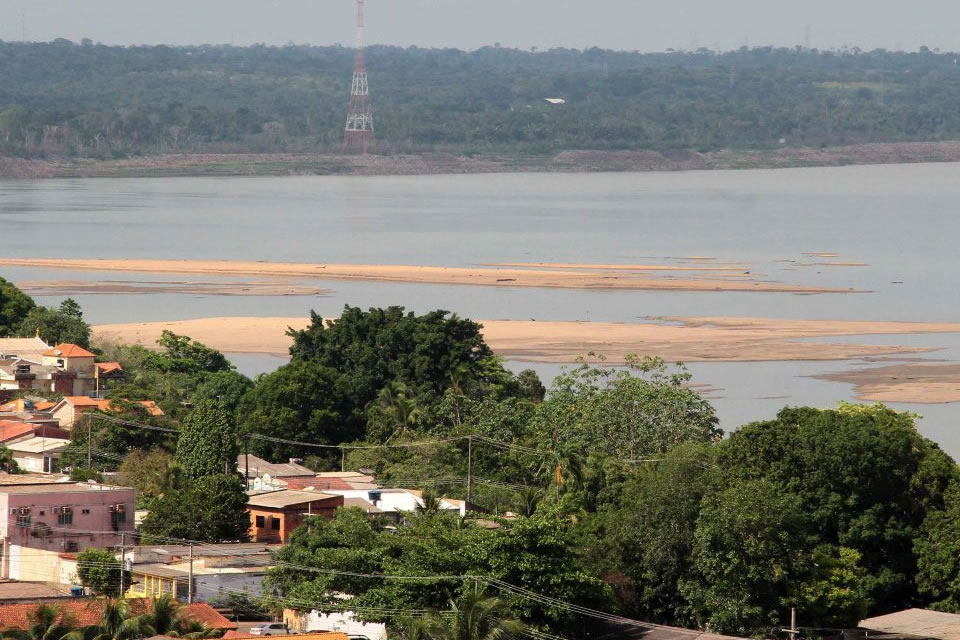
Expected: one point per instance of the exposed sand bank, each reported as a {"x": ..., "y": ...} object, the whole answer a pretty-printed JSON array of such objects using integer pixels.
[
  {"x": 921, "y": 383},
  {"x": 580, "y": 279},
  {"x": 74, "y": 287},
  {"x": 689, "y": 340}
]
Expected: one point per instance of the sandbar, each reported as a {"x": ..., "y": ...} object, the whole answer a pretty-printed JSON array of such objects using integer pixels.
[
  {"x": 121, "y": 287},
  {"x": 919, "y": 383},
  {"x": 507, "y": 277},
  {"x": 710, "y": 339}
]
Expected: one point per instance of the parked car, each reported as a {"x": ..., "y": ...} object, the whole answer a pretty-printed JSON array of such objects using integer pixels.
[{"x": 272, "y": 629}]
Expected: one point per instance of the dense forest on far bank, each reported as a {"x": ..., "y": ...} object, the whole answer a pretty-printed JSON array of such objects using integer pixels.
[{"x": 62, "y": 99}]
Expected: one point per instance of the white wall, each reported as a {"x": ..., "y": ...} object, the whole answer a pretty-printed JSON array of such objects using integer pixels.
[
  {"x": 344, "y": 622},
  {"x": 209, "y": 588}
]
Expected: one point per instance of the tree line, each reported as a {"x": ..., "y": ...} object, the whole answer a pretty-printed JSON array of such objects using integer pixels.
[{"x": 92, "y": 100}]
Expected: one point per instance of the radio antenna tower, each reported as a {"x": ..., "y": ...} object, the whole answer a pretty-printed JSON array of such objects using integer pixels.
[{"x": 358, "y": 134}]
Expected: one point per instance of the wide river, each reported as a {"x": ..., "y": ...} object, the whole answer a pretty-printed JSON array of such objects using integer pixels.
[{"x": 901, "y": 221}]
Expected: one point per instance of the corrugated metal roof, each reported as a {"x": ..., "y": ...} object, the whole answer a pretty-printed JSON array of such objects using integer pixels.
[
  {"x": 287, "y": 498},
  {"x": 921, "y": 623}
]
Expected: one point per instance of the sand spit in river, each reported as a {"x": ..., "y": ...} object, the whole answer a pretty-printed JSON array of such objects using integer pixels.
[{"x": 587, "y": 277}]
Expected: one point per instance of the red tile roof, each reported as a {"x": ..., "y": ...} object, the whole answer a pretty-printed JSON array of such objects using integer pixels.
[
  {"x": 87, "y": 612},
  {"x": 320, "y": 484},
  {"x": 109, "y": 367},
  {"x": 67, "y": 350},
  {"x": 10, "y": 429}
]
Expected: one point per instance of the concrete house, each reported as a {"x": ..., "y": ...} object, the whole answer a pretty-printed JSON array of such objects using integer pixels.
[
  {"x": 69, "y": 410},
  {"x": 275, "y": 514},
  {"x": 62, "y": 517}
]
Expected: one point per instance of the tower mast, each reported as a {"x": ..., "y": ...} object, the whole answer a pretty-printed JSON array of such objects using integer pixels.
[{"x": 358, "y": 133}]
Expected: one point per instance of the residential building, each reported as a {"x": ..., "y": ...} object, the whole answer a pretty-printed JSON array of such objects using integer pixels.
[
  {"x": 262, "y": 475},
  {"x": 88, "y": 611},
  {"x": 61, "y": 517},
  {"x": 218, "y": 569},
  {"x": 275, "y": 514},
  {"x": 38, "y": 454},
  {"x": 394, "y": 503},
  {"x": 26, "y": 348},
  {"x": 308, "y": 622},
  {"x": 319, "y": 635},
  {"x": 108, "y": 374},
  {"x": 70, "y": 408}
]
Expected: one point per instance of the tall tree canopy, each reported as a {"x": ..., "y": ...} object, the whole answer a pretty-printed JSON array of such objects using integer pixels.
[
  {"x": 207, "y": 444},
  {"x": 14, "y": 307}
]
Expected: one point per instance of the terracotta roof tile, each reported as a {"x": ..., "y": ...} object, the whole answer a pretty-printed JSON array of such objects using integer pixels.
[
  {"x": 68, "y": 350},
  {"x": 87, "y": 611}
]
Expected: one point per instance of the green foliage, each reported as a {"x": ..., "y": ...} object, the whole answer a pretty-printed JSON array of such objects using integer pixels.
[
  {"x": 151, "y": 473},
  {"x": 836, "y": 592},
  {"x": 536, "y": 553},
  {"x": 474, "y": 616},
  {"x": 635, "y": 414},
  {"x": 99, "y": 570},
  {"x": 864, "y": 475},
  {"x": 14, "y": 307},
  {"x": 101, "y": 101},
  {"x": 56, "y": 326},
  {"x": 302, "y": 401},
  {"x": 207, "y": 444},
  {"x": 180, "y": 354},
  {"x": 211, "y": 509},
  {"x": 7, "y": 463},
  {"x": 748, "y": 551},
  {"x": 938, "y": 554},
  {"x": 116, "y": 439}
]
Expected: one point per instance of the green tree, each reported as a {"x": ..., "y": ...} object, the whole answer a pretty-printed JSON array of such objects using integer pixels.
[
  {"x": 211, "y": 509},
  {"x": 208, "y": 441},
  {"x": 99, "y": 570},
  {"x": 938, "y": 554},
  {"x": 473, "y": 616},
  {"x": 180, "y": 354},
  {"x": 151, "y": 473},
  {"x": 302, "y": 401},
  {"x": 749, "y": 549},
  {"x": 864, "y": 476},
  {"x": 117, "y": 622},
  {"x": 14, "y": 307},
  {"x": 835, "y": 593},
  {"x": 56, "y": 326},
  {"x": 7, "y": 462},
  {"x": 638, "y": 413},
  {"x": 47, "y": 622}
]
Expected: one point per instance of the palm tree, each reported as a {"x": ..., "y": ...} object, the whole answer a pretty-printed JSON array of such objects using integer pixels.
[
  {"x": 7, "y": 463},
  {"x": 117, "y": 622},
  {"x": 401, "y": 409},
  {"x": 429, "y": 502},
  {"x": 528, "y": 501},
  {"x": 565, "y": 467},
  {"x": 475, "y": 616},
  {"x": 163, "y": 616},
  {"x": 47, "y": 622},
  {"x": 411, "y": 629}
]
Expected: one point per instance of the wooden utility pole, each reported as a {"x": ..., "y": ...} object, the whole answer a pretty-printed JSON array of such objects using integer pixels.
[
  {"x": 793, "y": 632},
  {"x": 190, "y": 578},
  {"x": 466, "y": 507}
]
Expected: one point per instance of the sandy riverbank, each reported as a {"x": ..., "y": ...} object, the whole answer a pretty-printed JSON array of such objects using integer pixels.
[
  {"x": 914, "y": 382},
  {"x": 120, "y": 287},
  {"x": 588, "y": 277},
  {"x": 705, "y": 339},
  {"x": 685, "y": 339}
]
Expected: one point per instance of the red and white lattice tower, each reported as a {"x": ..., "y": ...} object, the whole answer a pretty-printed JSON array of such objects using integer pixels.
[{"x": 358, "y": 134}]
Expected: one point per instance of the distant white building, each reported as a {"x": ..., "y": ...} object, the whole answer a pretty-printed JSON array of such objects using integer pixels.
[
  {"x": 555, "y": 100},
  {"x": 394, "y": 502}
]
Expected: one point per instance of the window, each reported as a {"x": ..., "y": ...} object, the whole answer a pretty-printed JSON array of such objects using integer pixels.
[
  {"x": 85, "y": 512},
  {"x": 118, "y": 516},
  {"x": 23, "y": 520},
  {"x": 65, "y": 516},
  {"x": 72, "y": 547},
  {"x": 260, "y": 522},
  {"x": 275, "y": 524}
]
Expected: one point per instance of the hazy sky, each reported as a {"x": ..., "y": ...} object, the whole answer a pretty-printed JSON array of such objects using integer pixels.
[{"x": 620, "y": 24}]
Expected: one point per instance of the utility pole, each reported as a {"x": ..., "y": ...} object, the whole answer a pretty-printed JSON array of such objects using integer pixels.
[
  {"x": 793, "y": 632},
  {"x": 466, "y": 507},
  {"x": 358, "y": 132},
  {"x": 343, "y": 459},
  {"x": 123, "y": 559},
  {"x": 89, "y": 439},
  {"x": 246, "y": 462},
  {"x": 190, "y": 578}
]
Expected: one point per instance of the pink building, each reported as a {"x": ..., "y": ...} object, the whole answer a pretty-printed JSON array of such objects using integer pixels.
[{"x": 62, "y": 517}]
